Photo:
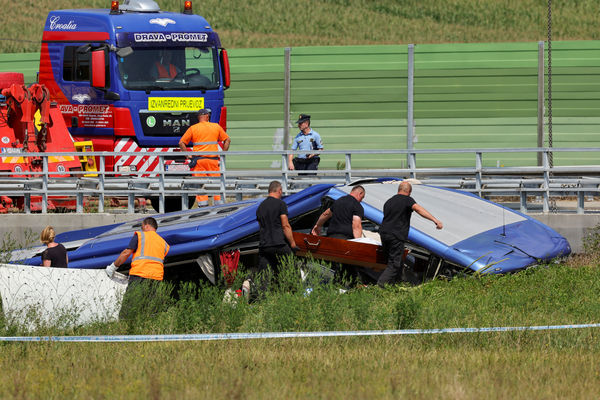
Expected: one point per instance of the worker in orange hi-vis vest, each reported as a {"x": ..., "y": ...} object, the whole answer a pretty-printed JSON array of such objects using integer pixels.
[
  {"x": 149, "y": 251},
  {"x": 163, "y": 67},
  {"x": 147, "y": 265},
  {"x": 205, "y": 136}
]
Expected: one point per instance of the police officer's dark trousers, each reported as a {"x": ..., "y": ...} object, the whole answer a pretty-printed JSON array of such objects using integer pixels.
[{"x": 306, "y": 164}]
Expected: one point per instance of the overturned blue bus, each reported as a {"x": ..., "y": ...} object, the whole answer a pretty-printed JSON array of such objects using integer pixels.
[{"x": 478, "y": 236}]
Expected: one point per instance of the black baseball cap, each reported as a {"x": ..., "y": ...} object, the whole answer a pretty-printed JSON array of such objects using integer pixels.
[
  {"x": 204, "y": 111},
  {"x": 302, "y": 118}
]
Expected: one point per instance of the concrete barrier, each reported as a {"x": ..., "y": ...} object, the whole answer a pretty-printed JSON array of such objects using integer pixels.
[
  {"x": 28, "y": 226},
  {"x": 572, "y": 226}
]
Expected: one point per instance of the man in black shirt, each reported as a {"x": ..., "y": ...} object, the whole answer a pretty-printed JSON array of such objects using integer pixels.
[
  {"x": 394, "y": 230},
  {"x": 275, "y": 233},
  {"x": 346, "y": 215}
]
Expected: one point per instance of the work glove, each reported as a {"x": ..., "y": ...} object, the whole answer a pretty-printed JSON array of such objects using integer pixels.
[{"x": 110, "y": 270}]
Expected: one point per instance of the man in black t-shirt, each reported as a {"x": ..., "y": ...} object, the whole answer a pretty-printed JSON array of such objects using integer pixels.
[
  {"x": 275, "y": 233},
  {"x": 346, "y": 216},
  {"x": 394, "y": 230}
]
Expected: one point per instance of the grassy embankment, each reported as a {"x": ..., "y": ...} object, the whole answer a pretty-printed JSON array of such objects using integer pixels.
[
  {"x": 552, "y": 364},
  {"x": 537, "y": 364},
  {"x": 263, "y": 23},
  {"x": 545, "y": 364}
]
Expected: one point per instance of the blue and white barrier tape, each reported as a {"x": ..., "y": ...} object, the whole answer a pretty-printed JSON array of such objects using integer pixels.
[{"x": 281, "y": 335}]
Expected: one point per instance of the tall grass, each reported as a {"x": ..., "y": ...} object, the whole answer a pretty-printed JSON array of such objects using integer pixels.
[
  {"x": 551, "y": 364},
  {"x": 546, "y": 295},
  {"x": 548, "y": 365},
  {"x": 265, "y": 23},
  {"x": 9, "y": 242}
]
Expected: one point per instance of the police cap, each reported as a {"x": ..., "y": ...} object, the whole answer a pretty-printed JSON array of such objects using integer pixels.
[{"x": 302, "y": 118}]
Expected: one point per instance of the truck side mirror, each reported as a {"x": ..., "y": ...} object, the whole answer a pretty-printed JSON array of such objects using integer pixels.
[
  {"x": 225, "y": 69},
  {"x": 98, "y": 77},
  {"x": 124, "y": 51},
  {"x": 85, "y": 48},
  {"x": 110, "y": 95}
]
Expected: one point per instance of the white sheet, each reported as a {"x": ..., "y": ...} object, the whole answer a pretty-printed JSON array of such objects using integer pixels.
[
  {"x": 463, "y": 216},
  {"x": 62, "y": 297},
  {"x": 366, "y": 240}
]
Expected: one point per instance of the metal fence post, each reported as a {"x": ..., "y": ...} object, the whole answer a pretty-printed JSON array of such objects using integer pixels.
[
  {"x": 161, "y": 184},
  {"x": 546, "y": 193},
  {"x": 222, "y": 179},
  {"x": 284, "y": 173},
  {"x": 523, "y": 200},
  {"x": 131, "y": 202},
  {"x": 101, "y": 185},
  {"x": 45, "y": 186},
  {"x": 286, "y": 98},
  {"x": 27, "y": 201},
  {"x": 478, "y": 166},
  {"x": 410, "y": 98},
  {"x": 580, "y": 201},
  {"x": 184, "y": 187},
  {"x": 412, "y": 164},
  {"x": 540, "y": 100},
  {"x": 79, "y": 206},
  {"x": 348, "y": 168}
]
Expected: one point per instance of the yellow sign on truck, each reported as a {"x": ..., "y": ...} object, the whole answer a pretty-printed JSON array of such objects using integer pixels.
[{"x": 175, "y": 103}]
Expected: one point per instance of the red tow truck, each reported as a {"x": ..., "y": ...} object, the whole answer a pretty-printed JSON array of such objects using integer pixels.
[
  {"x": 102, "y": 67},
  {"x": 31, "y": 123}
]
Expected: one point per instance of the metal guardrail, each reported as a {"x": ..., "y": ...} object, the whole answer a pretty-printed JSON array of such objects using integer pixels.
[{"x": 543, "y": 181}]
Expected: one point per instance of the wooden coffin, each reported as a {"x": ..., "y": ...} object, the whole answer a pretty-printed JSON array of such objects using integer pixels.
[{"x": 342, "y": 251}]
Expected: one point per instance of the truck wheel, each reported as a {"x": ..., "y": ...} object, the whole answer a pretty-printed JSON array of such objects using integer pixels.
[
  {"x": 171, "y": 203},
  {"x": 8, "y": 78}
]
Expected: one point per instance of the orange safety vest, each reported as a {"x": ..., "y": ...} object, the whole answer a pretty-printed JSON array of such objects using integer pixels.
[
  {"x": 148, "y": 259},
  {"x": 163, "y": 73},
  {"x": 205, "y": 132}
]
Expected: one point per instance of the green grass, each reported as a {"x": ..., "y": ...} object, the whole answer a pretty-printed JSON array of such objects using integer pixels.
[
  {"x": 9, "y": 242},
  {"x": 265, "y": 23},
  {"x": 548, "y": 364},
  {"x": 362, "y": 368},
  {"x": 539, "y": 296}
]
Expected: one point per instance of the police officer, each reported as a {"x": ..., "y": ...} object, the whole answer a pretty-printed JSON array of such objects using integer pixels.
[
  {"x": 147, "y": 265},
  {"x": 306, "y": 139}
]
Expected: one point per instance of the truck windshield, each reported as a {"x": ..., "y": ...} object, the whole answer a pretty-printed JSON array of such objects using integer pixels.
[{"x": 172, "y": 68}]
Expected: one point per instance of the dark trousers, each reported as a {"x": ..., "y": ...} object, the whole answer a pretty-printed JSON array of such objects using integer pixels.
[
  {"x": 395, "y": 251},
  {"x": 306, "y": 164},
  {"x": 270, "y": 257}
]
